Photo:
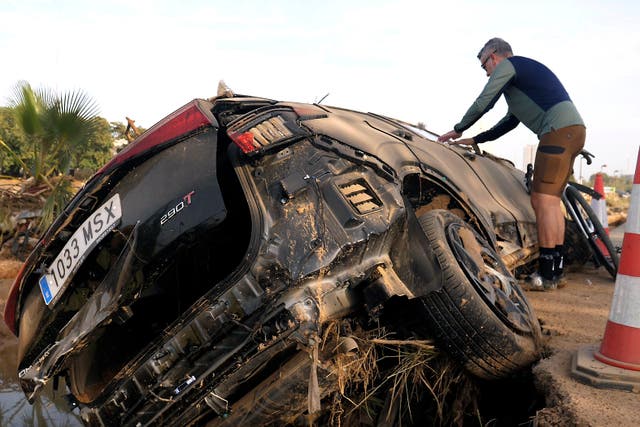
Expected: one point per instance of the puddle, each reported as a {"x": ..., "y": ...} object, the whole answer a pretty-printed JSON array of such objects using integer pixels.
[
  {"x": 48, "y": 410},
  {"x": 45, "y": 411}
]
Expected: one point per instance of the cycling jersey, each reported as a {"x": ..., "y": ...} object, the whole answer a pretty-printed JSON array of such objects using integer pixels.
[{"x": 535, "y": 97}]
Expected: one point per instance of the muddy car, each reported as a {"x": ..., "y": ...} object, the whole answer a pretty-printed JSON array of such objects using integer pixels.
[{"x": 192, "y": 278}]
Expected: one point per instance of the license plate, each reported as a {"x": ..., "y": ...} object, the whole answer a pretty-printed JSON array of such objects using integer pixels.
[{"x": 86, "y": 237}]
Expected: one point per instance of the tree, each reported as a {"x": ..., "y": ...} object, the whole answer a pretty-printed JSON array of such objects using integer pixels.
[
  {"x": 117, "y": 130},
  {"x": 13, "y": 138},
  {"x": 122, "y": 132},
  {"x": 57, "y": 131},
  {"x": 56, "y": 127},
  {"x": 99, "y": 148}
]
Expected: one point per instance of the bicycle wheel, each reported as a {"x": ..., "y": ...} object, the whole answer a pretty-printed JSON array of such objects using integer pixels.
[{"x": 594, "y": 233}]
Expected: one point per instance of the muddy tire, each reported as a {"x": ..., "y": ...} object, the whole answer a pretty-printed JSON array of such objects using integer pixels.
[{"x": 480, "y": 316}]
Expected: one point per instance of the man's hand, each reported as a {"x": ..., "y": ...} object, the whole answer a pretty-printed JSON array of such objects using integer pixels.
[
  {"x": 465, "y": 141},
  {"x": 449, "y": 135}
]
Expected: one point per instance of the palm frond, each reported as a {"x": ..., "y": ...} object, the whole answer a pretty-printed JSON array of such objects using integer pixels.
[
  {"x": 27, "y": 106},
  {"x": 79, "y": 104},
  {"x": 73, "y": 114},
  {"x": 14, "y": 155}
]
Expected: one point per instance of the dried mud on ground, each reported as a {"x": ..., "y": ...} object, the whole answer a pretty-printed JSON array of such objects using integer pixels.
[
  {"x": 572, "y": 318},
  {"x": 8, "y": 342}
]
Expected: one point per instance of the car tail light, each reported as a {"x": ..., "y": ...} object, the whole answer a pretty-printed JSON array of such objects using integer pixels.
[
  {"x": 271, "y": 127},
  {"x": 270, "y": 131},
  {"x": 192, "y": 116},
  {"x": 244, "y": 141}
]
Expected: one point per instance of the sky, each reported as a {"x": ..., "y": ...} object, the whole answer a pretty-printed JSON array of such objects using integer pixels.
[{"x": 412, "y": 60}]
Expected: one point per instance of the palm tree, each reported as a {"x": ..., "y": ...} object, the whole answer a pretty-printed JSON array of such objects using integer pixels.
[{"x": 56, "y": 125}]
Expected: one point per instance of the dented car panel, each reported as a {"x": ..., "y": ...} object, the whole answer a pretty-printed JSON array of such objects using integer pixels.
[{"x": 247, "y": 225}]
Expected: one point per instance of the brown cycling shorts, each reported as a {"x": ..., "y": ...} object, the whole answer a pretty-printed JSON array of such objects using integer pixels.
[{"x": 554, "y": 159}]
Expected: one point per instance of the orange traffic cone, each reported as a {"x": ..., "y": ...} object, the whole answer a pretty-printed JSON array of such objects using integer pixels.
[
  {"x": 617, "y": 363},
  {"x": 599, "y": 207}
]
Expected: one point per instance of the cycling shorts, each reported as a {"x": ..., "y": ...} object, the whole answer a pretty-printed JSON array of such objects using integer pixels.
[{"x": 554, "y": 159}]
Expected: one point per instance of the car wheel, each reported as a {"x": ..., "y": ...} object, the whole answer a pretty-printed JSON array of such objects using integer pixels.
[
  {"x": 594, "y": 233},
  {"x": 480, "y": 316}
]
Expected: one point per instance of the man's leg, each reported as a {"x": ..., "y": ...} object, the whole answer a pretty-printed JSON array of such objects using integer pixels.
[
  {"x": 550, "y": 223},
  {"x": 554, "y": 158},
  {"x": 550, "y": 219}
]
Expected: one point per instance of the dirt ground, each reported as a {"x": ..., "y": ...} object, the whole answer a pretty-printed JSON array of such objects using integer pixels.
[
  {"x": 573, "y": 318},
  {"x": 8, "y": 342}
]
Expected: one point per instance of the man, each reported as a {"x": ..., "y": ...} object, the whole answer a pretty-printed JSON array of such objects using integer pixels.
[{"x": 536, "y": 98}]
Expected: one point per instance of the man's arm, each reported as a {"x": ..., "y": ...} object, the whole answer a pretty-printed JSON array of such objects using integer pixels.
[
  {"x": 498, "y": 82},
  {"x": 506, "y": 124}
]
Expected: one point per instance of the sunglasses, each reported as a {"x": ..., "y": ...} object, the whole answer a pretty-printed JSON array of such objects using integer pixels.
[{"x": 484, "y": 63}]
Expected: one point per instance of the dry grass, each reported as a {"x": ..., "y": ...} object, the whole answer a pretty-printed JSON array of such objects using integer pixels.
[{"x": 397, "y": 382}]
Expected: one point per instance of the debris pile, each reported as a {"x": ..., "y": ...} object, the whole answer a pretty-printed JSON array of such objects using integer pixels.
[{"x": 20, "y": 210}]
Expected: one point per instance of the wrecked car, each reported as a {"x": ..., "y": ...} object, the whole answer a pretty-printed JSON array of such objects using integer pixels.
[{"x": 192, "y": 278}]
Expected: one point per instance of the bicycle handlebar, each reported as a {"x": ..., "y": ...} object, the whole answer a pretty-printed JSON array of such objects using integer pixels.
[{"x": 587, "y": 156}]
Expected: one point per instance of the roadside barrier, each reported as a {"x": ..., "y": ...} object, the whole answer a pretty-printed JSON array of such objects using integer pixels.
[
  {"x": 600, "y": 209},
  {"x": 617, "y": 363}
]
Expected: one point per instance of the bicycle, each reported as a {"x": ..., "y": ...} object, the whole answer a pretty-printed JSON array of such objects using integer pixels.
[{"x": 587, "y": 222}]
